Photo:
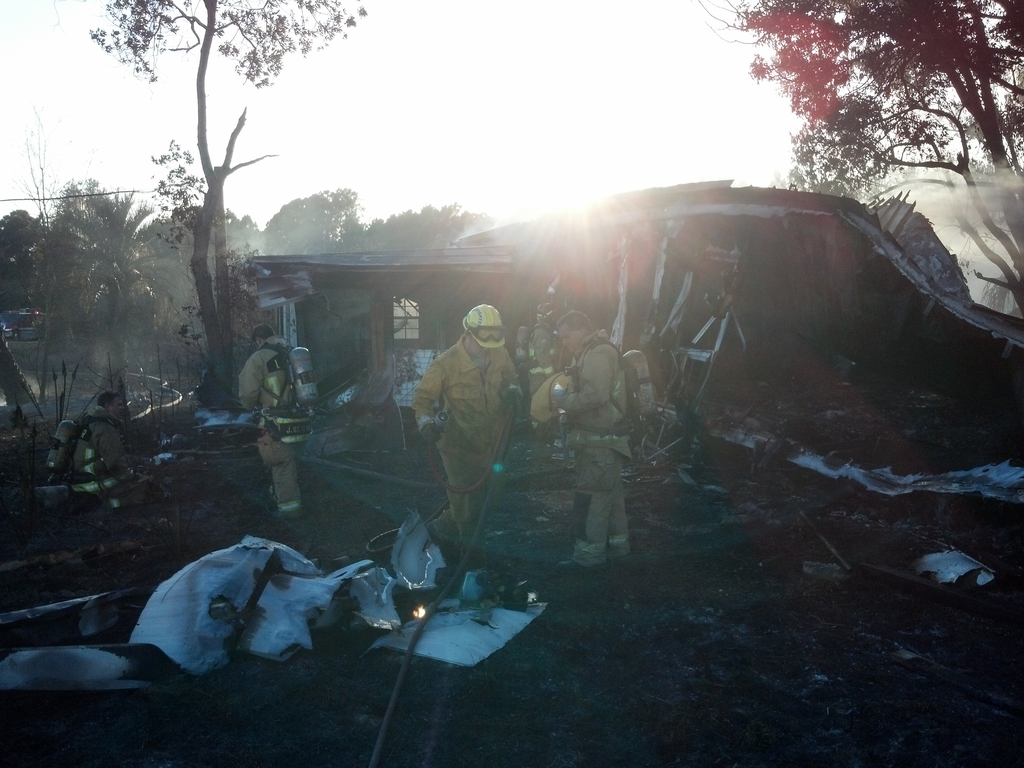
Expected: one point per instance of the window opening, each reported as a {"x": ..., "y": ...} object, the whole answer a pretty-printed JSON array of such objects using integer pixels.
[{"x": 407, "y": 319}]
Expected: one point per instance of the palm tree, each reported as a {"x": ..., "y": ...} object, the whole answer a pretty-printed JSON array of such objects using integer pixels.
[{"x": 122, "y": 270}]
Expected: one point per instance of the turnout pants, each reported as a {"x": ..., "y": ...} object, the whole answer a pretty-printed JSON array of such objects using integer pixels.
[
  {"x": 460, "y": 519},
  {"x": 602, "y": 530},
  {"x": 284, "y": 468}
]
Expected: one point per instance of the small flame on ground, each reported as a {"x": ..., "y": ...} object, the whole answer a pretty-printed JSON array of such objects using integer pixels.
[{"x": 420, "y": 612}]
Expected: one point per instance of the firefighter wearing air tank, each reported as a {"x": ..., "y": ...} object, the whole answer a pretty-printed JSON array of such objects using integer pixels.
[
  {"x": 280, "y": 382},
  {"x": 475, "y": 383},
  {"x": 100, "y": 466},
  {"x": 595, "y": 404},
  {"x": 539, "y": 347}
]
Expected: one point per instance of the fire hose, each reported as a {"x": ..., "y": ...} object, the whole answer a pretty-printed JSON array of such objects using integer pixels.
[{"x": 430, "y": 610}]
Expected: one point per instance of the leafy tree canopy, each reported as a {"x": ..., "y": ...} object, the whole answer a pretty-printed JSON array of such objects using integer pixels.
[
  {"x": 327, "y": 222},
  {"x": 256, "y": 35},
  {"x": 19, "y": 233},
  {"x": 887, "y": 84},
  {"x": 429, "y": 228},
  {"x": 331, "y": 222},
  {"x": 244, "y": 234},
  {"x": 109, "y": 267}
]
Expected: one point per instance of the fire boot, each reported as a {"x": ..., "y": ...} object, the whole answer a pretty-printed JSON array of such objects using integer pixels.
[
  {"x": 618, "y": 546},
  {"x": 588, "y": 554}
]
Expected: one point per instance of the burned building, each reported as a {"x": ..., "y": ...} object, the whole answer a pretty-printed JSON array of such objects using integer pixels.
[{"x": 701, "y": 277}]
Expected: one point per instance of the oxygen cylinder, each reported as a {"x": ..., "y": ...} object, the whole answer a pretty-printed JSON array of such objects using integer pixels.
[
  {"x": 643, "y": 387},
  {"x": 303, "y": 376},
  {"x": 522, "y": 344},
  {"x": 57, "y": 456}
]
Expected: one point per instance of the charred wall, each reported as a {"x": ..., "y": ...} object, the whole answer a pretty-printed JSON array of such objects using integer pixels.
[{"x": 803, "y": 282}]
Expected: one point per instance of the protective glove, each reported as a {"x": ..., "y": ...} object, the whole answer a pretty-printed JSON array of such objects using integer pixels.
[
  {"x": 511, "y": 397},
  {"x": 431, "y": 432}
]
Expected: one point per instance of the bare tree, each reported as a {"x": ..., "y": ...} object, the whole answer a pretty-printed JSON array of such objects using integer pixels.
[
  {"x": 43, "y": 182},
  {"x": 255, "y": 35}
]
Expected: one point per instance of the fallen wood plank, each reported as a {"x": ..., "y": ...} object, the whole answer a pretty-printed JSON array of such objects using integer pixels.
[
  {"x": 826, "y": 542},
  {"x": 939, "y": 593}
]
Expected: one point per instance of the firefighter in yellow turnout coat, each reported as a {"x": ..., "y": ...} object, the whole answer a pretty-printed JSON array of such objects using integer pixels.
[
  {"x": 264, "y": 383},
  {"x": 598, "y": 436},
  {"x": 100, "y": 466},
  {"x": 476, "y": 383}
]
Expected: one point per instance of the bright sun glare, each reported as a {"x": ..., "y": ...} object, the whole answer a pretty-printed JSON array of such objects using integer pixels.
[{"x": 482, "y": 104}]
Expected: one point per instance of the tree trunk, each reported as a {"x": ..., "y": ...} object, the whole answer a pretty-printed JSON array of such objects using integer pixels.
[
  {"x": 225, "y": 312},
  {"x": 218, "y": 345}
]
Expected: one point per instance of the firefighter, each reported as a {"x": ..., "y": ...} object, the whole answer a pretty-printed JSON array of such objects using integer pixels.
[
  {"x": 544, "y": 349},
  {"x": 100, "y": 467},
  {"x": 598, "y": 434},
  {"x": 475, "y": 383},
  {"x": 264, "y": 383}
]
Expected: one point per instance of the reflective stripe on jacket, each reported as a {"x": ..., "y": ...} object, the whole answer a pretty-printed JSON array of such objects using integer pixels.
[{"x": 99, "y": 460}]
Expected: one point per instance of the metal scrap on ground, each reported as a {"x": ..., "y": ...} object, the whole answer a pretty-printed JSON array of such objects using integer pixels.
[{"x": 257, "y": 596}]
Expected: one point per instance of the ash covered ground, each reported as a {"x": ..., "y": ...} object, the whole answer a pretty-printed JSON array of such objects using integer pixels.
[{"x": 715, "y": 643}]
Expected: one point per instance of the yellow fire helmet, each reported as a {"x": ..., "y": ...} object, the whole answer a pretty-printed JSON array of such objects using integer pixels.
[{"x": 484, "y": 323}]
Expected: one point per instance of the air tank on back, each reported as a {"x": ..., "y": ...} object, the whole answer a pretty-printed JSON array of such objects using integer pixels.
[
  {"x": 303, "y": 377},
  {"x": 645, "y": 398},
  {"x": 57, "y": 457}
]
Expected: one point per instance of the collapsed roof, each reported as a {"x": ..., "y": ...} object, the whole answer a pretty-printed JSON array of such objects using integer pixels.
[{"x": 698, "y": 265}]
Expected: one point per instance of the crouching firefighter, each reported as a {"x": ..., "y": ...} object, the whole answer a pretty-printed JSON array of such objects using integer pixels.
[
  {"x": 99, "y": 465},
  {"x": 280, "y": 383},
  {"x": 599, "y": 433}
]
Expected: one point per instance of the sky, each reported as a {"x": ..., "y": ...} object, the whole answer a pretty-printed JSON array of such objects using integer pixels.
[{"x": 506, "y": 108}]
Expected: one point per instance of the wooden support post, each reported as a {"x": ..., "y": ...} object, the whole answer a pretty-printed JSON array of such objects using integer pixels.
[{"x": 382, "y": 325}]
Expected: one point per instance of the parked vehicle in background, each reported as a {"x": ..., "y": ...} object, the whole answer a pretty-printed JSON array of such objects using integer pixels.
[
  {"x": 22, "y": 324},
  {"x": 9, "y": 324}
]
